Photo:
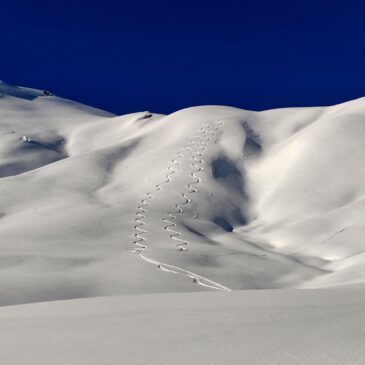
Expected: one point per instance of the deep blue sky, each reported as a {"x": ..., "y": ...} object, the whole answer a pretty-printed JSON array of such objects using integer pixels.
[{"x": 126, "y": 56}]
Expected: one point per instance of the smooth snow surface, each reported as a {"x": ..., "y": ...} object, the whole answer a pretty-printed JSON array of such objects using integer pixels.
[
  {"x": 270, "y": 327},
  {"x": 207, "y": 198},
  {"x": 213, "y": 199}
]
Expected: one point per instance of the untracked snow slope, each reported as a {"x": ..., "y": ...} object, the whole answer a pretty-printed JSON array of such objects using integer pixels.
[
  {"x": 267, "y": 327},
  {"x": 207, "y": 198}
]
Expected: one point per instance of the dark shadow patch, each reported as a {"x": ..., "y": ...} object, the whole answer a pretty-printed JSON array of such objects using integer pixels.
[
  {"x": 192, "y": 230},
  {"x": 147, "y": 115},
  {"x": 227, "y": 173},
  {"x": 57, "y": 145},
  {"x": 235, "y": 218},
  {"x": 32, "y": 155},
  {"x": 239, "y": 218},
  {"x": 252, "y": 145},
  {"x": 223, "y": 223}
]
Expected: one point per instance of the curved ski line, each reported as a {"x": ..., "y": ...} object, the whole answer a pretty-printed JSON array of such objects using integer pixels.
[
  {"x": 139, "y": 238},
  {"x": 140, "y": 216},
  {"x": 198, "y": 279},
  {"x": 197, "y": 156},
  {"x": 141, "y": 212},
  {"x": 170, "y": 224}
]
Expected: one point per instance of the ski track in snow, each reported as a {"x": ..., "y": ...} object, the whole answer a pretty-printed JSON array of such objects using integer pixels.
[
  {"x": 192, "y": 187},
  {"x": 142, "y": 211}
]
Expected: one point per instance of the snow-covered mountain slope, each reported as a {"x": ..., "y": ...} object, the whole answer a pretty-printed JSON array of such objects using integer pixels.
[
  {"x": 266, "y": 327},
  {"x": 206, "y": 198}
]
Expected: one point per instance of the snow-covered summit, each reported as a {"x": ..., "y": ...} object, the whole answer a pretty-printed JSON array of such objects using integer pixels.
[{"x": 20, "y": 92}]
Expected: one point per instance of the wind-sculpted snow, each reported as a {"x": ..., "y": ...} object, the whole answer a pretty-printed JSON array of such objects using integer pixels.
[{"x": 206, "y": 198}]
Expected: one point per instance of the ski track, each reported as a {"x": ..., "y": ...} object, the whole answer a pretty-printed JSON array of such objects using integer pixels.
[
  {"x": 141, "y": 213},
  {"x": 191, "y": 188}
]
